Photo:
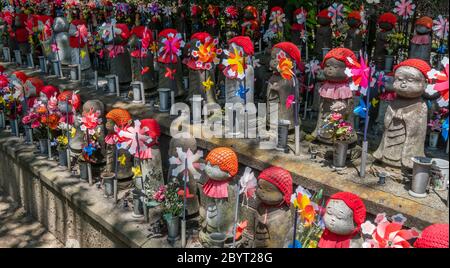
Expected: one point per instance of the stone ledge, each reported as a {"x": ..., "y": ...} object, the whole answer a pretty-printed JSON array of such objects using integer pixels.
[{"x": 310, "y": 175}]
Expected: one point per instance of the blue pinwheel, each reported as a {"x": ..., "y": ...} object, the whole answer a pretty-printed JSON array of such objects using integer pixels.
[
  {"x": 89, "y": 150},
  {"x": 444, "y": 132},
  {"x": 361, "y": 109},
  {"x": 242, "y": 92}
]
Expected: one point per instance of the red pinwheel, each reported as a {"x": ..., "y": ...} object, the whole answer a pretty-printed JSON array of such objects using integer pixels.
[
  {"x": 170, "y": 73},
  {"x": 441, "y": 83}
]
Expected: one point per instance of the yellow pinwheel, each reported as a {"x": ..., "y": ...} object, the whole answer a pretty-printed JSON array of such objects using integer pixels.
[
  {"x": 136, "y": 171},
  {"x": 208, "y": 84},
  {"x": 122, "y": 160}
]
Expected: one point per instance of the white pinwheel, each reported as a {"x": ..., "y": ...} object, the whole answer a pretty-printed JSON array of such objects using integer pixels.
[
  {"x": 136, "y": 138},
  {"x": 248, "y": 184},
  {"x": 181, "y": 160}
]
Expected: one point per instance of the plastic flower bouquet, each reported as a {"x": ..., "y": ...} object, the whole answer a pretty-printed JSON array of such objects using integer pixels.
[{"x": 337, "y": 127}]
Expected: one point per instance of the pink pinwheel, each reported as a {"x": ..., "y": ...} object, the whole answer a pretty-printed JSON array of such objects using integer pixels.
[
  {"x": 359, "y": 73},
  {"x": 441, "y": 83},
  {"x": 404, "y": 8},
  {"x": 289, "y": 101},
  {"x": 135, "y": 137},
  {"x": 335, "y": 12},
  {"x": 248, "y": 184},
  {"x": 90, "y": 121},
  {"x": 171, "y": 47},
  {"x": 440, "y": 27},
  {"x": 82, "y": 32},
  {"x": 55, "y": 47}
]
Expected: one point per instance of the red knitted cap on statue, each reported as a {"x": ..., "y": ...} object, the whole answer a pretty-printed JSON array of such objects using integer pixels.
[
  {"x": 434, "y": 236},
  {"x": 154, "y": 130},
  {"x": 166, "y": 32},
  {"x": 139, "y": 32},
  {"x": 388, "y": 17},
  {"x": 275, "y": 9},
  {"x": 298, "y": 11},
  {"x": 225, "y": 158},
  {"x": 201, "y": 36},
  {"x": 20, "y": 76},
  {"x": 355, "y": 15},
  {"x": 253, "y": 10},
  {"x": 418, "y": 64},
  {"x": 425, "y": 21},
  {"x": 341, "y": 54},
  {"x": 22, "y": 35},
  {"x": 74, "y": 99},
  {"x": 291, "y": 49},
  {"x": 324, "y": 14},
  {"x": 78, "y": 22},
  {"x": 49, "y": 91},
  {"x": 245, "y": 42},
  {"x": 355, "y": 203},
  {"x": 281, "y": 178},
  {"x": 4, "y": 81}
]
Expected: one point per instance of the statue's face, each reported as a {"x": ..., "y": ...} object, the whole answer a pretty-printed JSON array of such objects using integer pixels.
[
  {"x": 338, "y": 218},
  {"x": 354, "y": 23},
  {"x": 64, "y": 106},
  {"x": 268, "y": 193},
  {"x": 215, "y": 173},
  {"x": 95, "y": 105},
  {"x": 273, "y": 59},
  {"x": 409, "y": 82},
  {"x": 61, "y": 25},
  {"x": 43, "y": 98},
  {"x": 386, "y": 26},
  {"x": 420, "y": 29},
  {"x": 110, "y": 125},
  {"x": 324, "y": 21},
  {"x": 334, "y": 70}
]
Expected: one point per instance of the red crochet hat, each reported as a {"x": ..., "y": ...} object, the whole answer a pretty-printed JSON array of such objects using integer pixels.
[
  {"x": 281, "y": 178},
  {"x": 291, "y": 49},
  {"x": 388, "y": 17},
  {"x": 201, "y": 36},
  {"x": 225, "y": 158},
  {"x": 324, "y": 14},
  {"x": 74, "y": 99},
  {"x": 22, "y": 35},
  {"x": 434, "y": 236},
  {"x": 19, "y": 75},
  {"x": 340, "y": 54},
  {"x": 355, "y": 203},
  {"x": 355, "y": 15},
  {"x": 253, "y": 10},
  {"x": 166, "y": 32},
  {"x": 4, "y": 81},
  {"x": 50, "y": 91},
  {"x": 276, "y": 9},
  {"x": 425, "y": 21},
  {"x": 245, "y": 42},
  {"x": 139, "y": 32},
  {"x": 154, "y": 130},
  {"x": 418, "y": 64},
  {"x": 298, "y": 11},
  {"x": 125, "y": 32}
]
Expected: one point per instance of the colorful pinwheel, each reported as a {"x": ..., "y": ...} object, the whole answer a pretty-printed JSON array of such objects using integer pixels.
[
  {"x": 170, "y": 73},
  {"x": 90, "y": 121},
  {"x": 208, "y": 84},
  {"x": 361, "y": 109},
  {"x": 180, "y": 161},
  {"x": 285, "y": 66},
  {"x": 234, "y": 64},
  {"x": 206, "y": 53},
  {"x": 312, "y": 68},
  {"x": 306, "y": 208},
  {"x": 444, "y": 131},
  {"x": 277, "y": 19},
  {"x": 171, "y": 47},
  {"x": 404, "y": 8},
  {"x": 360, "y": 73},
  {"x": 335, "y": 12},
  {"x": 135, "y": 137},
  {"x": 441, "y": 83},
  {"x": 82, "y": 32},
  {"x": 440, "y": 27},
  {"x": 302, "y": 16},
  {"x": 387, "y": 234},
  {"x": 289, "y": 101},
  {"x": 242, "y": 91}
]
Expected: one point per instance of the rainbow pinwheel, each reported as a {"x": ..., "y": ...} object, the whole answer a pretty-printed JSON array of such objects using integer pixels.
[
  {"x": 285, "y": 66},
  {"x": 440, "y": 27},
  {"x": 82, "y": 32},
  {"x": 135, "y": 137},
  {"x": 171, "y": 48},
  {"x": 90, "y": 121},
  {"x": 360, "y": 73},
  {"x": 191, "y": 159},
  {"x": 206, "y": 53},
  {"x": 234, "y": 64},
  {"x": 335, "y": 12},
  {"x": 109, "y": 31},
  {"x": 277, "y": 19},
  {"x": 387, "y": 234},
  {"x": 301, "y": 200},
  {"x": 440, "y": 85},
  {"x": 404, "y": 8}
]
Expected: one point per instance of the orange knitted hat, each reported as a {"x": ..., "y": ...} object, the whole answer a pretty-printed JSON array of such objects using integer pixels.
[
  {"x": 425, "y": 21},
  {"x": 225, "y": 158},
  {"x": 419, "y": 64},
  {"x": 120, "y": 116},
  {"x": 388, "y": 17},
  {"x": 73, "y": 99}
]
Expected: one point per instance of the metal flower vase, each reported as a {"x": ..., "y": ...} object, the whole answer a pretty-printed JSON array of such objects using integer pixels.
[
  {"x": 340, "y": 154},
  {"x": 421, "y": 176}
]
